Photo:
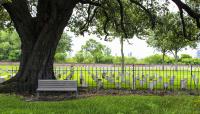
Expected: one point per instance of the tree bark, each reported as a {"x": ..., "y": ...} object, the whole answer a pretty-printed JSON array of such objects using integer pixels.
[
  {"x": 39, "y": 37},
  {"x": 176, "y": 60},
  {"x": 163, "y": 59},
  {"x": 122, "y": 55}
]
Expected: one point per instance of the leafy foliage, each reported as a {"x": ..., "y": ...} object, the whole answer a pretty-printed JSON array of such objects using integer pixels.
[
  {"x": 95, "y": 50},
  {"x": 9, "y": 46},
  {"x": 64, "y": 46},
  {"x": 168, "y": 36}
]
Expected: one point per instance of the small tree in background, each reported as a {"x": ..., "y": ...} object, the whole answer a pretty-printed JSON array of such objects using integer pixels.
[
  {"x": 64, "y": 47},
  {"x": 93, "y": 49},
  {"x": 9, "y": 46},
  {"x": 170, "y": 38}
]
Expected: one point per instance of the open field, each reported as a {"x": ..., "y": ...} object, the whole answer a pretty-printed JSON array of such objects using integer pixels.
[
  {"x": 104, "y": 105},
  {"x": 134, "y": 76}
]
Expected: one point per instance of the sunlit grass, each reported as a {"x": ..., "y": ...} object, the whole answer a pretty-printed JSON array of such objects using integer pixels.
[{"x": 104, "y": 105}]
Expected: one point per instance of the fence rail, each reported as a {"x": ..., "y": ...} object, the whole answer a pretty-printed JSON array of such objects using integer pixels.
[{"x": 134, "y": 77}]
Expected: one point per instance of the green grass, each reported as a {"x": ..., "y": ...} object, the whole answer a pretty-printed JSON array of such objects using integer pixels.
[{"x": 104, "y": 105}]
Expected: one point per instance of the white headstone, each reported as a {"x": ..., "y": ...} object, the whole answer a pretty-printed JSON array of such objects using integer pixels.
[
  {"x": 151, "y": 85},
  {"x": 111, "y": 80},
  {"x": 127, "y": 73},
  {"x": 137, "y": 77},
  {"x": 171, "y": 82},
  {"x": 107, "y": 78},
  {"x": 141, "y": 82},
  {"x": 172, "y": 78},
  {"x": 193, "y": 77},
  {"x": 165, "y": 85},
  {"x": 117, "y": 85},
  {"x": 144, "y": 79},
  {"x": 154, "y": 82},
  {"x": 160, "y": 79},
  {"x": 94, "y": 77},
  {"x": 147, "y": 75},
  {"x": 123, "y": 79},
  {"x": 84, "y": 84},
  {"x": 99, "y": 83},
  {"x": 196, "y": 82},
  {"x": 104, "y": 71},
  {"x": 183, "y": 84},
  {"x": 156, "y": 75}
]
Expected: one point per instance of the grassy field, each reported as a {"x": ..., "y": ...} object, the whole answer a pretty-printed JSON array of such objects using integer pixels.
[
  {"x": 104, "y": 105},
  {"x": 143, "y": 76}
]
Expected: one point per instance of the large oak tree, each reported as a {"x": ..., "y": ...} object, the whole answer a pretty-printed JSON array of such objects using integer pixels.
[{"x": 40, "y": 24}]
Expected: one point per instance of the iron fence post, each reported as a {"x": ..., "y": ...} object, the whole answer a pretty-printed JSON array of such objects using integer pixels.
[
  {"x": 133, "y": 87},
  {"x": 191, "y": 77}
]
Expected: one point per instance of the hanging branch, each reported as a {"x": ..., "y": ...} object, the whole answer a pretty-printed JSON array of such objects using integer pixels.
[
  {"x": 88, "y": 20},
  {"x": 105, "y": 25},
  {"x": 148, "y": 12},
  {"x": 183, "y": 22},
  {"x": 190, "y": 12},
  {"x": 122, "y": 18}
]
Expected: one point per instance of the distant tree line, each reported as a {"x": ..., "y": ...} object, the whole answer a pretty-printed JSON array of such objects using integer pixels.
[{"x": 91, "y": 52}]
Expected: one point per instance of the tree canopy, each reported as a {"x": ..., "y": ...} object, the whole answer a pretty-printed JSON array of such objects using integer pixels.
[{"x": 168, "y": 37}]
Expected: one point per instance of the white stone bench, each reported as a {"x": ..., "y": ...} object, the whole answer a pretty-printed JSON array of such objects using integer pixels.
[{"x": 57, "y": 85}]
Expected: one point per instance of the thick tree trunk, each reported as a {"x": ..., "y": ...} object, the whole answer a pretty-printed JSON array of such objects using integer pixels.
[
  {"x": 122, "y": 55},
  {"x": 37, "y": 63},
  {"x": 176, "y": 60},
  {"x": 163, "y": 59},
  {"x": 39, "y": 36}
]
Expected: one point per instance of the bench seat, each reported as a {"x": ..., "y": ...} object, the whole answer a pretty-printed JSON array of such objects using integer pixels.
[{"x": 57, "y": 85}]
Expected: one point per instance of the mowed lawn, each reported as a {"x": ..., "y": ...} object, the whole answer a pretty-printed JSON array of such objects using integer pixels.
[{"x": 11, "y": 104}]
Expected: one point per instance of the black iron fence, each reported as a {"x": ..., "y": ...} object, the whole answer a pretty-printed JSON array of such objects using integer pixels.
[{"x": 134, "y": 77}]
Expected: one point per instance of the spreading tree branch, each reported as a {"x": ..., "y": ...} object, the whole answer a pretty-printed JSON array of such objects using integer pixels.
[
  {"x": 149, "y": 13},
  {"x": 190, "y": 12},
  {"x": 122, "y": 18},
  {"x": 89, "y": 19},
  {"x": 105, "y": 25},
  {"x": 183, "y": 22}
]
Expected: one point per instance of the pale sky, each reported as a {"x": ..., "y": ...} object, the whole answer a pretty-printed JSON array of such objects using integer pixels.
[{"x": 139, "y": 48}]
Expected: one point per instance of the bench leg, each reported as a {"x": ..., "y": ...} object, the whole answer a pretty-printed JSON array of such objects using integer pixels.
[
  {"x": 38, "y": 94},
  {"x": 76, "y": 94}
]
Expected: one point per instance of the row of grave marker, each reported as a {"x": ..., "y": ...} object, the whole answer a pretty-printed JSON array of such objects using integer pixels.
[
  {"x": 142, "y": 79},
  {"x": 152, "y": 84}
]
